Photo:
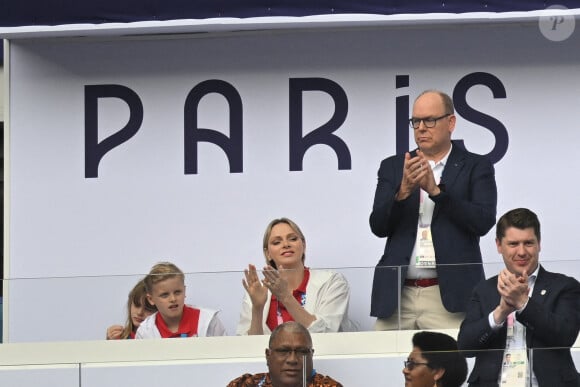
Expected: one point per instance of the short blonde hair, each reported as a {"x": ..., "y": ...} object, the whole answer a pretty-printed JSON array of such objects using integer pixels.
[
  {"x": 160, "y": 272},
  {"x": 268, "y": 232}
]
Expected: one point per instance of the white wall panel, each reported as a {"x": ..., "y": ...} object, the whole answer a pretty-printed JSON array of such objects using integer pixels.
[{"x": 142, "y": 208}]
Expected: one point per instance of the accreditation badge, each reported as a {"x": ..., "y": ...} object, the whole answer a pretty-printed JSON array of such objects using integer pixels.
[
  {"x": 425, "y": 256},
  {"x": 514, "y": 370}
]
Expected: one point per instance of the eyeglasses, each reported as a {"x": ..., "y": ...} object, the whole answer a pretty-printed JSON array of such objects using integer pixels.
[
  {"x": 428, "y": 122},
  {"x": 284, "y": 352},
  {"x": 410, "y": 364}
]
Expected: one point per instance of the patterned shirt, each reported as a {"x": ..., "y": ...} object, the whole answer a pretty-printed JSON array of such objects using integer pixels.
[{"x": 263, "y": 380}]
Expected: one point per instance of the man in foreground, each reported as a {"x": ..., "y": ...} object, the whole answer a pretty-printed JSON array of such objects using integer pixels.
[
  {"x": 289, "y": 360},
  {"x": 523, "y": 308}
]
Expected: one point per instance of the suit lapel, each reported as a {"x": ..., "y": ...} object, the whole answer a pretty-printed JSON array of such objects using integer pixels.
[
  {"x": 541, "y": 290},
  {"x": 452, "y": 168},
  {"x": 541, "y": 287},
  {"x": 454, "y": 164}
]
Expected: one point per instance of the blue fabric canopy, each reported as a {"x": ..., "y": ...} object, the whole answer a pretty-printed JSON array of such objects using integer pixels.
[
  {"x": 58, "y": 12},
  {"x": 54, "y": 12}
]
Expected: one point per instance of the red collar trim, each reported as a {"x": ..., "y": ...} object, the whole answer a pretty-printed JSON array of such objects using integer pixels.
[{"x": 187, "y": 325}]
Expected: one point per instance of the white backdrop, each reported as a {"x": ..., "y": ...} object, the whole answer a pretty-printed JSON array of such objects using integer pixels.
[{"x": 143, "y": 208}]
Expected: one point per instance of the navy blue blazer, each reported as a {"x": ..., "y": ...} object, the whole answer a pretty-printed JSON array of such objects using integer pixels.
[
  {"x": 552, "y": 320},
  {"x": 464, "y": 212}
]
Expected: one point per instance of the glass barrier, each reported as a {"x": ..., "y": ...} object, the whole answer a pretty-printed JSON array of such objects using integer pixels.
[
  {"x": 82, "y": 308},
  {"x": 353, "y": 359},
  {"x": 394, "y": 365}
]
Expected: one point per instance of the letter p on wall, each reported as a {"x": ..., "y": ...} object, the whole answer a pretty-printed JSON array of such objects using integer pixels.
[{"x": 95, "y": 150}]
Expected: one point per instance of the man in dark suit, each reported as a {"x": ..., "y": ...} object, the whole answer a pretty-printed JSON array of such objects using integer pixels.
[
  {"x": 543, "y": 306},
  {"x": 441, "y": 190}
]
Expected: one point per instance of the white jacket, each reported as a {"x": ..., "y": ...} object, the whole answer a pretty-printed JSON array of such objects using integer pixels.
[
  {"x": 208, "y": 325},
  {"x": 327, "y": 297}
]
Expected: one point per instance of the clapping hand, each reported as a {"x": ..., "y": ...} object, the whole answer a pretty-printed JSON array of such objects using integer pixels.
[
  {"x": 417, "y": 173},
  {"x": 257, "y": 292},
  {"x": 274, "y": 281},
  {"x": 513, "y": 288}
]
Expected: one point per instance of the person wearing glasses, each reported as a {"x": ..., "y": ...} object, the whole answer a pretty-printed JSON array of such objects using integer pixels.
[
  {"x": 442, "y": 190},
  {"x": 289, "y": 359},
  {"x": 434, "y": 361}
]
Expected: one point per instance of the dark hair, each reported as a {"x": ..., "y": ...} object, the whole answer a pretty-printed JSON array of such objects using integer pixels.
[
  {"x": 292, "y": 327},
  {"x": 441, "y": 352},
  {"x": 520, "y": 218}
]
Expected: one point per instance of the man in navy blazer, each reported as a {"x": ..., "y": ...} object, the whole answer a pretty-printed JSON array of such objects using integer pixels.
[
  {"x": 547, "y": 304},
  {"x": 441, "y": 190}
]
